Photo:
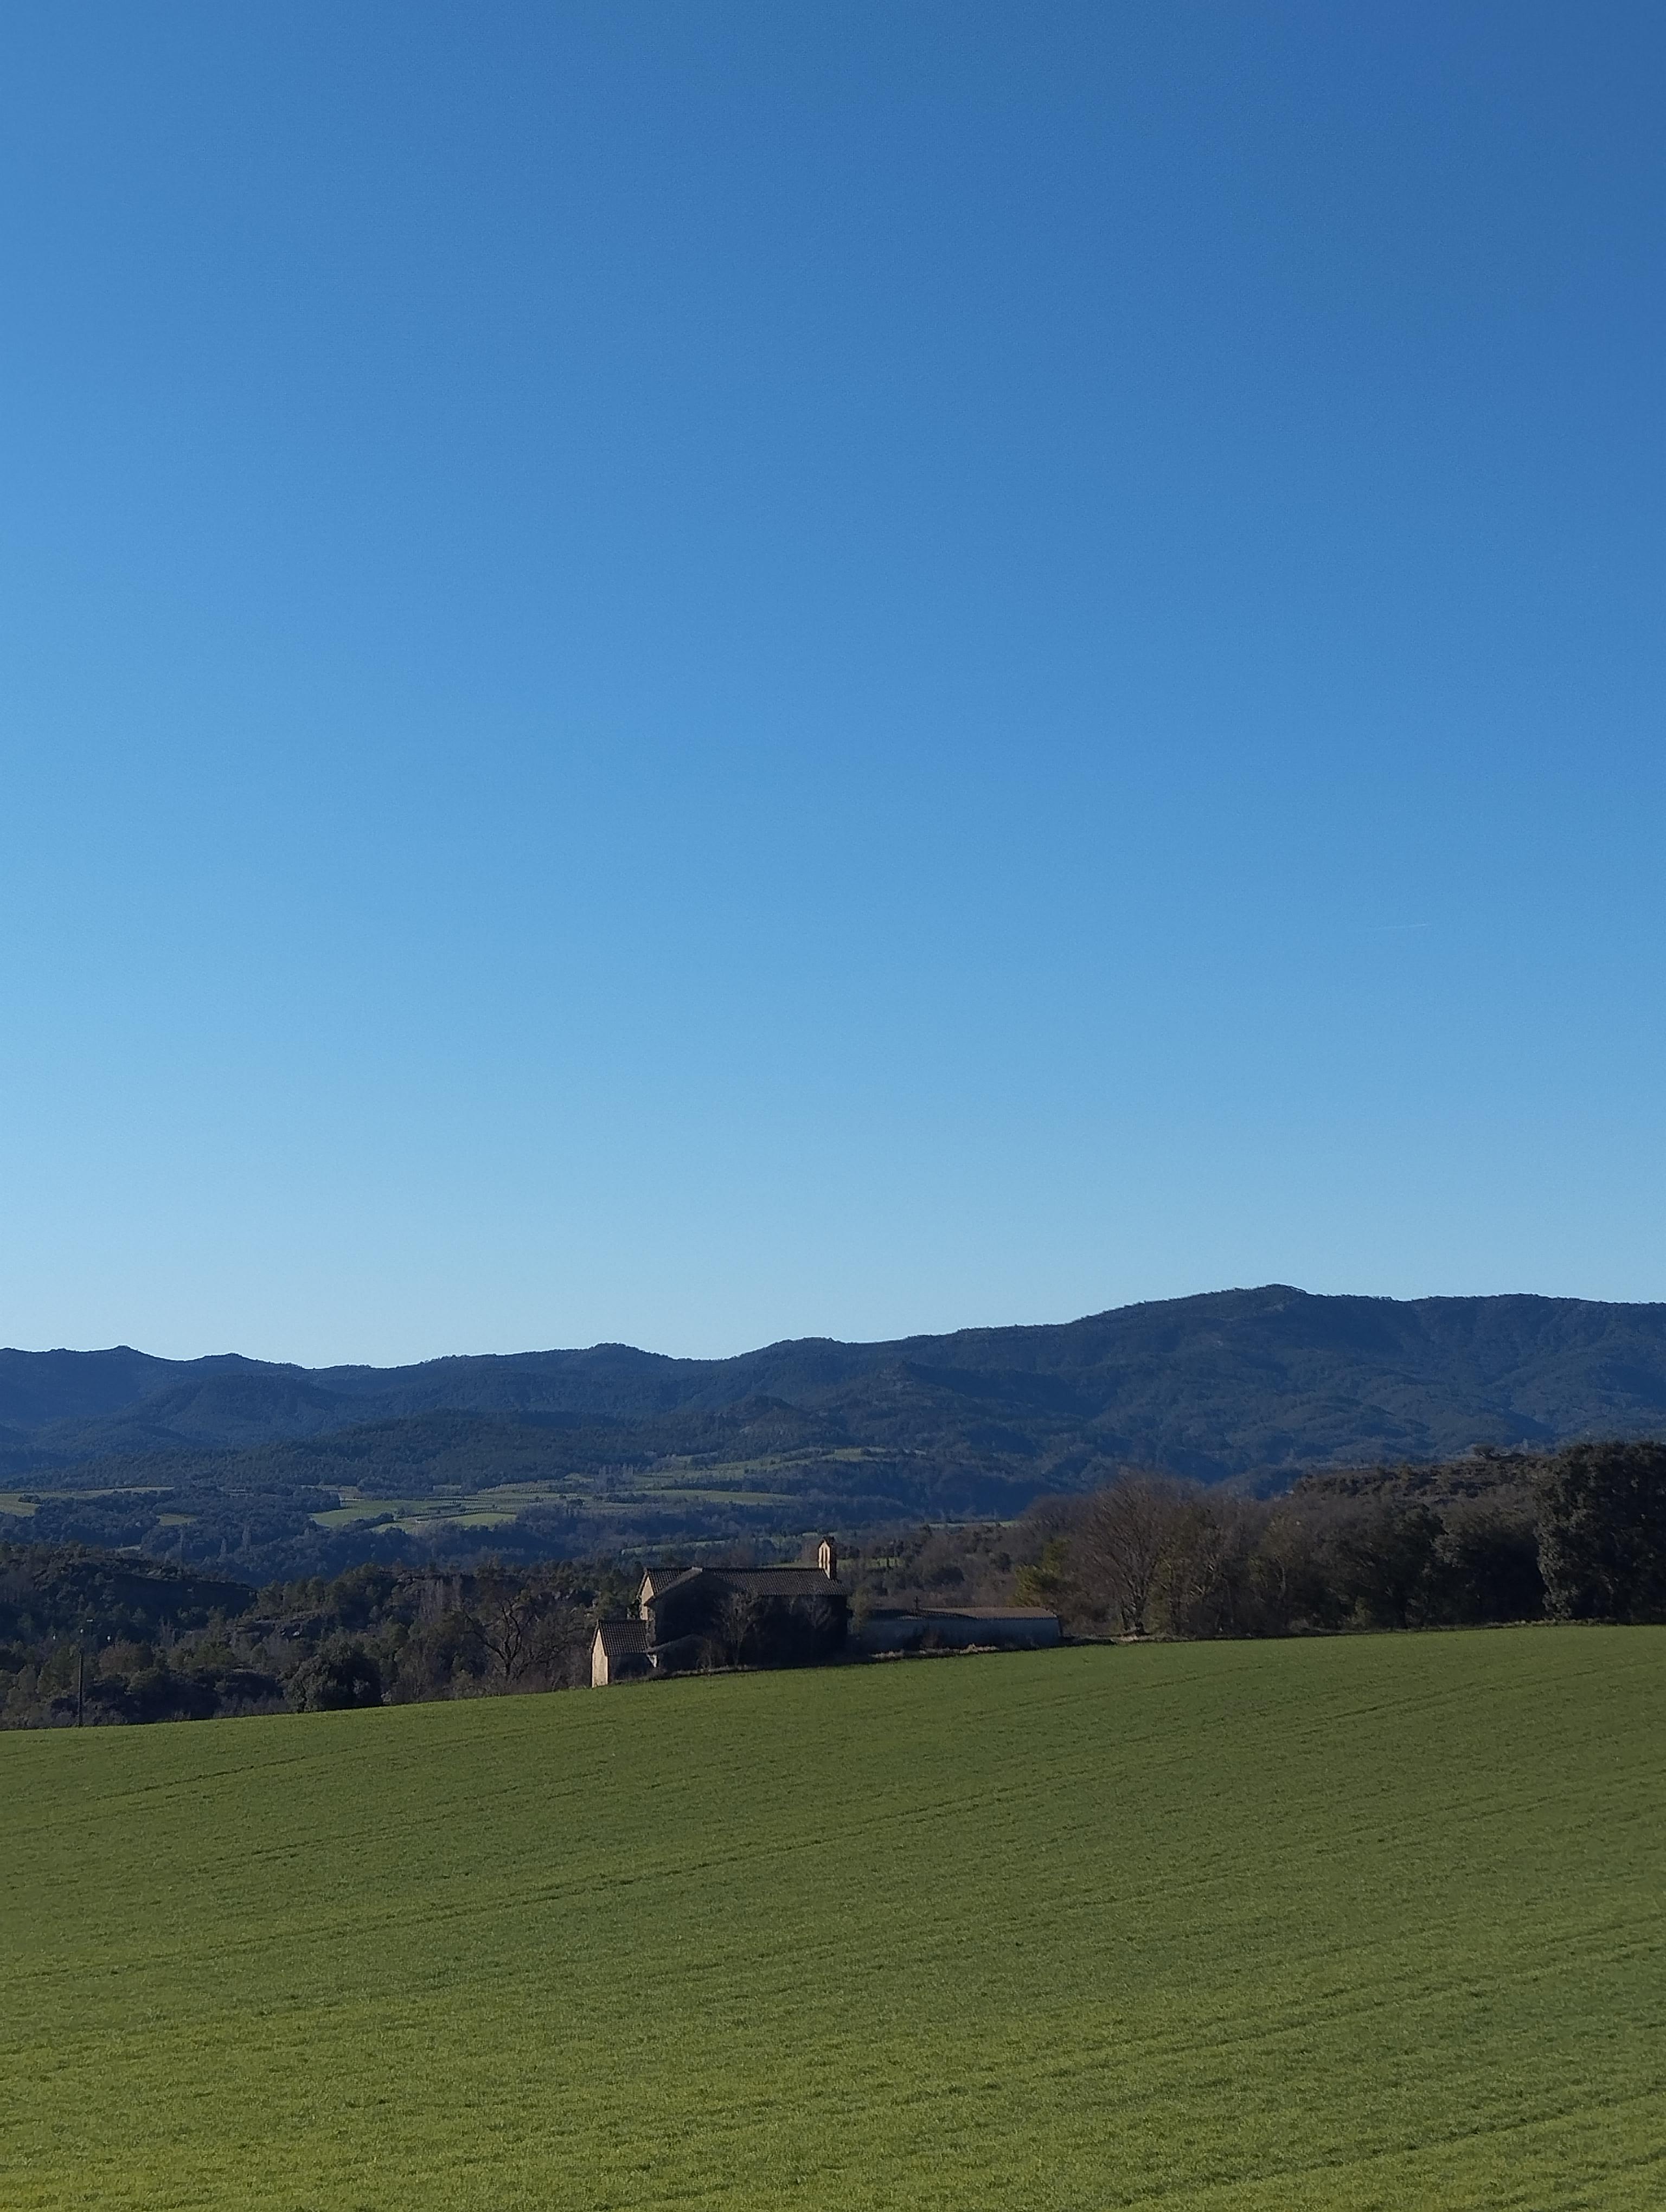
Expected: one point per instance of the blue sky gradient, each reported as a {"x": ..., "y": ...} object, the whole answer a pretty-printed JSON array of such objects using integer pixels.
[{"x": 698, "y": 674}]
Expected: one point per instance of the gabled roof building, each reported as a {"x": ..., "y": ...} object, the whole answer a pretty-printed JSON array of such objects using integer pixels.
[
  {"x": 687, "y": 1617},
  {"x": 618, "y": 1652}
]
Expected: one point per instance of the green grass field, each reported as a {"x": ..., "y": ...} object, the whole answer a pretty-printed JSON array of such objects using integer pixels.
[{"x": 1368, "y": 1922}]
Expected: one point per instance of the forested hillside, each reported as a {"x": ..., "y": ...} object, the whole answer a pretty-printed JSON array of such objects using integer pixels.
[
  {"x": 92, "y": 1636},
  {"x": 285, "y": 1470}
]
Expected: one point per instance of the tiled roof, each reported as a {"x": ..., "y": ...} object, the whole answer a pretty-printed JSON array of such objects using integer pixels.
[
  {"x": 780, "y": 1582},
  {"x": 665, "y": 1579},
  {"x": 619, "y": 1637},
  {"x": 757, "y": 1582}
]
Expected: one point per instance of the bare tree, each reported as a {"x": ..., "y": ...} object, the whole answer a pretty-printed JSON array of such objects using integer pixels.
[
  {"x": 1205, "y": 1583},
  {"x": 1128, "y": 1534},
  {"x": 1190, "y": 1582},
  {"x": 508, "y": 1613},
  {"x": 1282, "y": 1569}
]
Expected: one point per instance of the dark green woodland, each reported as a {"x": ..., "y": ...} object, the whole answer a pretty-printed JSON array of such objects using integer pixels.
[
  {"x": 270, "y": 1472},
  {"x": 90, "y": 1637}
]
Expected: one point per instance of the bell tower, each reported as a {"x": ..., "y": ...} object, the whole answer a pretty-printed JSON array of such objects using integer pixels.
[{"x": 827, "y": 1558}]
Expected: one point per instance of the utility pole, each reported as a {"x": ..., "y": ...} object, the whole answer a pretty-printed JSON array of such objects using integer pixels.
[{"x": 81, "y": 1680}]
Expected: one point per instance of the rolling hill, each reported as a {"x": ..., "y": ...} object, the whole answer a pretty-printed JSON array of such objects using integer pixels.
[
  {"x": 1253, "y": 1386},
  {"x": 1324, "y": 1926}
]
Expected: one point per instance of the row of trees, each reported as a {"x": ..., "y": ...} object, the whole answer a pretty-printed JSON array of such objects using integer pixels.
[
  {"x": 74, "y": 1649},
  {"x": 96, "y": 1637},
  {"x": 1578, "y": 1536}
]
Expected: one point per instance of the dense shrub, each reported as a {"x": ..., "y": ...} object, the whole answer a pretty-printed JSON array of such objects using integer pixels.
[{"x": 1601, "y": 1515}]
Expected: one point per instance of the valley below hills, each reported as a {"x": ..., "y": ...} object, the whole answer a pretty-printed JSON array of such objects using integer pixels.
[{"x": 277, "y": 1471}]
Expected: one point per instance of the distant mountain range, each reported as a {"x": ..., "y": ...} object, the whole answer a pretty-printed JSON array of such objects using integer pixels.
[{"x": 1255, "y": 1386}]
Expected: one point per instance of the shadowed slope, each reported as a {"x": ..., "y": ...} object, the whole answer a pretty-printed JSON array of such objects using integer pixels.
[{"x": 1226, "y": 1384}]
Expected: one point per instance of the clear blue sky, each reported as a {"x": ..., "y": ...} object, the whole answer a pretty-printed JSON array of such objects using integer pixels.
[{"x": 695, "y": 673}]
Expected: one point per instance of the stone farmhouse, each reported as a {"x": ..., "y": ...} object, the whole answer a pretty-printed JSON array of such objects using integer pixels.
[{"x": 689, "y": 1617}]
